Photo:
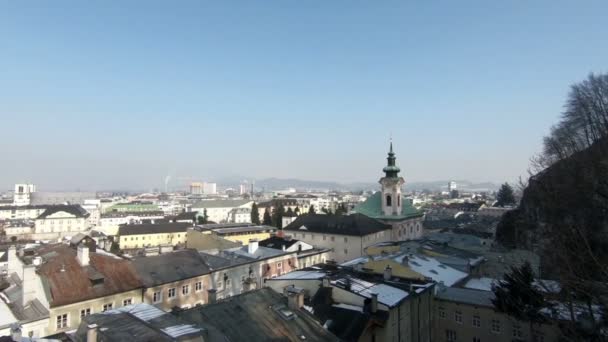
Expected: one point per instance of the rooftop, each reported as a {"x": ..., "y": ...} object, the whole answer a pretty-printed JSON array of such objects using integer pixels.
[
  {"x": 372, "y": 207},
  {"x": 137, "y": 323},
  {"x": 259, "y": 315},
  {"x": 75, "y": 210},
  {"x": 387, "y": 295},
  {"x": 220, "y": 203},
  {"x": 353, "y": 225},
  {"x": 69, "y": 282},
  {"x": 170, "y": 267},
  {"x": 466, "y": 296}
]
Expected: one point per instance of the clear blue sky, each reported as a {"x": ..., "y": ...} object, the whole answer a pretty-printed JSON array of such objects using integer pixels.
[{"x": 120, "y": 93}]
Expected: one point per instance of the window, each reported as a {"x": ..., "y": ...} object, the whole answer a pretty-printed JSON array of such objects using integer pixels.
[
  {"x": 398, "y": 201},
  {"x": 450, "y": 335},
  {"x": 62, "y": 321},
  {"x": 496, "y": 326},
  {"x": 345, "y": 251},
  {"x": 157, "y": 297},
  {"x": 107, "y": 307},
  {"x": 517, "y": 334},
  {"x": 85, "y": 312},
  {"x": 539, "y": 337},
  {"x": 171, "y": 293},
  {"x": 185, "y": 290},
  {"x": 458, "y": 316},
  {"x": 476, "y": 339},
  {"x": 442, "y": 313},
  {"x": 389, "y": 201},
  {"x": 345, "y": 239},
  {"x": 128, "y": 301},
  {"x": 198, "y": 286},
  {"x": 279, "y": 265},
  {"x": 476, "y": 321},
  {"x": 228, "y": 282},
  {"x": 332, "y": 239}
]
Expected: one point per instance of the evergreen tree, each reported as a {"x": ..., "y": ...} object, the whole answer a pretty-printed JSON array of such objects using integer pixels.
[
  {"x": 289, "y": 213},
  {"x": 115, "y": 248},
  {"x": 505, "y": 195},
  {"x": 341, "y": 210},
  {"x": 205, "y": 216},
  {"x": 255, "y": 214},
  {"x": 277, "y": 216},
  {"x": 297, "y": 211},
  {"x": 311, "y": 209},
  {"x": 518, "y": 296},
  {"x": 267, "y": 220}
]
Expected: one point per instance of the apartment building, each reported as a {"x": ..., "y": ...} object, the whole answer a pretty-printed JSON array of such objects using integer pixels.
[
  {"x": 66, "y": 283},
  {"x": 346, "y": 236},
  {"x": 133, "y": 236}
]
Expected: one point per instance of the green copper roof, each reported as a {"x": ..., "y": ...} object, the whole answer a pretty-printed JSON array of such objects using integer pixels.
[
  {"x": 372, "y": 207},
  {"x": 391, "y": 169}
]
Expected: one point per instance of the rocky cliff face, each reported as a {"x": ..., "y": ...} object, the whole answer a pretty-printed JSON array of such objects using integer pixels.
[{"x": 568, "y": 200}]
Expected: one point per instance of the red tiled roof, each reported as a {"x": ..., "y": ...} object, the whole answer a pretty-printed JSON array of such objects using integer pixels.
[{"x": 74, "y": 284}]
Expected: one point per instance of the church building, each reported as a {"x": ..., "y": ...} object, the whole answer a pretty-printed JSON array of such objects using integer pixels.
[{"x": 388, "y": 205}]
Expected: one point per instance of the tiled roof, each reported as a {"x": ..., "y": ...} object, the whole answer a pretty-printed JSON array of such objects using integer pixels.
[
  {"x": 466, "y": 296},
  {"x": 75, "y": 210},
  {"x": 170, "y": 267},
  {"x": 372, "y": 207},
  {"x": 259, "y": 315},
  {"x": 153, "y": 228},
  {"x": 135, "y": 323},
  {"x": 132, "y": 213},
  {"x": 69, "y": 282},
  {"x": 353, "y": 225},
  {"x": 220, "y": 203},
  {"x": 277, "y": 242}
]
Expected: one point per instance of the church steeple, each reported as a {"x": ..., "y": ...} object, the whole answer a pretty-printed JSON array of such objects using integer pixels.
[
  {"x": 391, "y": 186},
  {"x": 391, "y": 170}
]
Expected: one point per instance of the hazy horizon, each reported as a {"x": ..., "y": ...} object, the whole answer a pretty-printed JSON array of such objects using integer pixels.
[{"x": 118, "y": 95}]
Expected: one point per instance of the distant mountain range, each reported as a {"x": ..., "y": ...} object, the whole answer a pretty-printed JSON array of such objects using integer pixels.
[{"x": 270, "y": 184}]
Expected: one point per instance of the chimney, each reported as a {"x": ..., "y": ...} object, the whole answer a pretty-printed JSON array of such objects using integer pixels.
[
  {"x": 326, "y": 282},
  {"x": 211, "y": 296},
  {"x": 253, "y": 246},
  {"x": 388, "y": 273},
  {"x": 439, "y": 287},
  {"x": 295, "y": 298},
  {"x": 29, "y": 280},
  {"x": 92, "y": 333},
  {"x": 374, "y": 307},
  {"x": 37, "y": 261},
  {"x": 83, "y": 255},
  {"x": 15, "y": 332},
  {"x": 12, "y": 260}
]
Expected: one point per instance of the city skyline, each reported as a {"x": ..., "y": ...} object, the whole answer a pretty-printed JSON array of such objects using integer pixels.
[{"x": 114, "y": 95}]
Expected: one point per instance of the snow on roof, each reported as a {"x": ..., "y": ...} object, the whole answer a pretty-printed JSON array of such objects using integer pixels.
[
  {"x": 387, "y": 295},
  {"x": 483, "y": 283},
  {"x": 431, "y": 268},
  {"x": 302, "y": 275},
  {"x": 356, "y": 261},
  {"x": 348, "y": 307},
  {"x": 146, "y": 313}
]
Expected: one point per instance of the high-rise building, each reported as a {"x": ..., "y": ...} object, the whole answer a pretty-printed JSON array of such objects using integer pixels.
[
  {"x": 209, "y": 188},
  {"x": 452, "y": 186},
  {"x": 196, "y": 188}
]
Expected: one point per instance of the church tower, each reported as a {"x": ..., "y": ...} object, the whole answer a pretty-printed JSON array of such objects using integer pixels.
[{"x": 391, "y": 186}]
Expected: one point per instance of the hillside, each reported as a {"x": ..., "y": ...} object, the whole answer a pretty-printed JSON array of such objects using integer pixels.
[{"x": 563, "y": 209}]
